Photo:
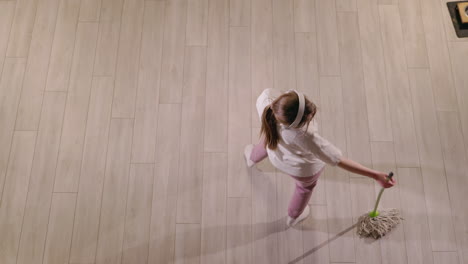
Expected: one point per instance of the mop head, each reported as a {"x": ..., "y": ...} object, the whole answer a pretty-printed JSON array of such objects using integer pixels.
[{"x": 380, "y": 225}]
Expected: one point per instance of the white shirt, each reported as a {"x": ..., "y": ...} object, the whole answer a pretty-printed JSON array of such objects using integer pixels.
[{"x": 299, "y": 153}]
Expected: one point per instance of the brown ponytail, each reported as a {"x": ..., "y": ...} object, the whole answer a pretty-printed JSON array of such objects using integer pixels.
[
  {"x": 284, "y": 110},
  {"x": 269, "y": 128}
]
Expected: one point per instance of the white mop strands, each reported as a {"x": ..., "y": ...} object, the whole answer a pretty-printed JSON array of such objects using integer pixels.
[
  {"x": 377, "y": 224},
  {"x": 380, "y": 225}
]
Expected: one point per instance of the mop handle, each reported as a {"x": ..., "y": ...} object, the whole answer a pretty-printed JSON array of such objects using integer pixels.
[{"x": 390, "y": 175}]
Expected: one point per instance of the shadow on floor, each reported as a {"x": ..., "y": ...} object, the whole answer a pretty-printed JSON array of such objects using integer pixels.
[{"x": 321, "y": 245}]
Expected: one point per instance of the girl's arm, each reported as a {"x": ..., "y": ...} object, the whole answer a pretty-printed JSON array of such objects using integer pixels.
[
  {"x": 357, "y": 168},
  {"x": 329, "y": 154}
]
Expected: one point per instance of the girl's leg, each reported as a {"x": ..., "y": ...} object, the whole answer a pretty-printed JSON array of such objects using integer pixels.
[
  {"x": 302, "y": 194},
  {"x": 259, "y": 152}
]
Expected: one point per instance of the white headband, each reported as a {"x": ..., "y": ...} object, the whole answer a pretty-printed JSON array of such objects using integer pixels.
[{"x": 300, "y": 111}]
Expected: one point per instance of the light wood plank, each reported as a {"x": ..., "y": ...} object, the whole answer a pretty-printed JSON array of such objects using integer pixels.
[
  {"x": 307, "y": 76},
  {"x": 327, "y": 37},
  {"x": 197, "y": 19},
  {"x": 10, "y": 91},
  {"x": 283, "y": 45},
  {"x": 304, "y": 16},
  {"x": 290, "y": 242},
  {"x": 111, "y": 10},
  {"x": 126, "y": 75},
  {"x": 59, "y": 232},
  {"x": 146, "y": 112},
  {"x": 404, "y": 135},
  {"x": 456, "y": 168},
  {"x": 36, "y": 214},
  {"x": 354, "y": 96},
  {"x": 337, "y": 180},
  {"x": 173, "y": 52},
  {"x": 108, "y": 40},
  {"x": 457, "y": 53},
  {"x": 340, "y": 223},
  {"x": 189, "y": 200},
  {"x": 74, "y": 126},
  {"x": 114, "y": 198},
  {"x": 7, "y": 13},
  {"x": 85, "y": 231},
  {"x": 37, "y": 67},
  {"x": 445, "y": 258},
  {"x": 239, "y": 13},
  {"x": 315, "y": 236},
  {"x": 262, "y": 51},
  {"x": 378, "y": 109},
  {"x": 22, "y": 28},
  {"x": 187, "y": 244},
  {"x": 346, "y": 6},
  {"x": 362, "y": 195},
  {"x": 393, "y": 244},
  {"x": 388, "y": 2},
  {"x": 239, "y": 230},
  {"x": 138, "y": 214},
  {"x": 239, "y": 180},
  {"x": 332, "y": 110},
  {"x": 439, "y": 59},
  {"x": 432, "y": 165},
  {"x": 90, "y": 10},
  {"x": 213, "y": 232},
  {"x": 415, "y": 40},
  {"x": 63, "y": 45},
  {"x": 413, "y": 210},
  {"x": 164, "y": 204},
  {"x": 216, "y": 111},
  {"x": 265, "y": 223},
  {"x": 106, "y": 50},
  {"x": 15, "y": 193}
]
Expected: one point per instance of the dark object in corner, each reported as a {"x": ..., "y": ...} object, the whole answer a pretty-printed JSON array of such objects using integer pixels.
[{"x": 459, "y": 14}]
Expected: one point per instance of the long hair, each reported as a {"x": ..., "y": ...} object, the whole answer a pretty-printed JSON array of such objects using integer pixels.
[{"x": 284, "y": 110}]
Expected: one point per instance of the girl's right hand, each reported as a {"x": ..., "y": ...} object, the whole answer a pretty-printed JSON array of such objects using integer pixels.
[{"x": 382, "y": 179}]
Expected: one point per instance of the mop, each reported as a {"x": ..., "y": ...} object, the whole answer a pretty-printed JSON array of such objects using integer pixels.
[{"x": 376, "y": 224}]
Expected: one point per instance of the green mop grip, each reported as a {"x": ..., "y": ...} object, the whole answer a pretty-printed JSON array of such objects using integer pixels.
[{"x": 375, "y": 213}]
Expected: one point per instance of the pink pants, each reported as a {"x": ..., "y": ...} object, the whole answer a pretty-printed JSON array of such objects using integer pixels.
[{"x": 304, "y": 185}]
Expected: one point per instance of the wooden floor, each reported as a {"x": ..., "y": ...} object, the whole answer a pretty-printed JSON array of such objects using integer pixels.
[{"x": 123, "y": 124}]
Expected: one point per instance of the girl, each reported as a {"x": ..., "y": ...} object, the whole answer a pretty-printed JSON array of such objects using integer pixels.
[{"x": 297, "y": 150}]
